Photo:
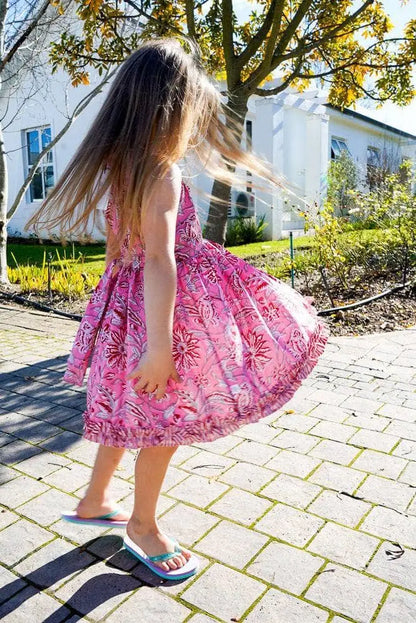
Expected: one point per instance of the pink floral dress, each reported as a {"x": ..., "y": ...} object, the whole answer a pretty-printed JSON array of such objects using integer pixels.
[{"x": 242, "y": 342}]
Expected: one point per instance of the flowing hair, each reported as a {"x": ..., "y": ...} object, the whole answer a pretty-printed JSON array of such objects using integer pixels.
[{"x": 161, "y": 106}]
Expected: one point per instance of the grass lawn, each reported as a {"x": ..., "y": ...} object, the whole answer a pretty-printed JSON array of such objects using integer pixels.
[
  {"x": 33, "y": 254},
  {"x": 93, "y": 256}
]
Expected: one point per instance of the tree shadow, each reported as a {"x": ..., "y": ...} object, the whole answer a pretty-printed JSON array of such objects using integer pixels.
[
  {"x": 94, "y": 591},
  {"x": 37, "y": 405}
]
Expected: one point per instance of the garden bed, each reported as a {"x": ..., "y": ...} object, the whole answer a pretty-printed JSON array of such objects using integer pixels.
[{"x": 396, "y": 311}]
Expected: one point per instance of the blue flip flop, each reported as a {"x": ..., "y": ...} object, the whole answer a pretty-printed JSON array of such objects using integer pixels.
[
  {"x": 188, "y": 569},
  {"x": 103, "y": 520}
]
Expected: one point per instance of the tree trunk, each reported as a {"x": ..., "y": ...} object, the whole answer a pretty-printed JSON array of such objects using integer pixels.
[
  {"x": 216, "y": 225},
  {"x": 3, "y": 213}
]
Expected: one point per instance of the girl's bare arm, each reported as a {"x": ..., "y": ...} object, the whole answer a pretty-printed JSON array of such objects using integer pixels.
[{"x": 158, "y": 232}]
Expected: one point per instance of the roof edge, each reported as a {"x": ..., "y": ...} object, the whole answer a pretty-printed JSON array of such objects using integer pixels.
[{"x": 380, "y": 124}]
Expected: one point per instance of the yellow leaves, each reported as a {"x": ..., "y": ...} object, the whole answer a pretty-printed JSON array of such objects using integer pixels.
[
  {"x": 80, "y": 78},
  {"x": 94, "y": 5}
]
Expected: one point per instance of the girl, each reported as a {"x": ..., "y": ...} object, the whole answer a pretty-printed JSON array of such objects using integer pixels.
[{"x": 186, "y": 342}]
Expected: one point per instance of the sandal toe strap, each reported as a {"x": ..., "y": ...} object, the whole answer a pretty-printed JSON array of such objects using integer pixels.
[{"x": 167, "y": 556}]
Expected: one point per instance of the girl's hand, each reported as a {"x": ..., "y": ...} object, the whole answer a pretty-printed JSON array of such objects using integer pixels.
[{"x": 153, "y": 371}]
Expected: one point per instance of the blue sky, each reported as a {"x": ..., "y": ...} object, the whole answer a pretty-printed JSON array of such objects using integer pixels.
[{"x": 400, "y": 117}]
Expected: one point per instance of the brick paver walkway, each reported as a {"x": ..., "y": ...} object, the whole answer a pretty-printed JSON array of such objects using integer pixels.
[{"x": 306, "y": 517}]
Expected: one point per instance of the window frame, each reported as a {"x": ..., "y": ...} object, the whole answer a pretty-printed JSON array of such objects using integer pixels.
[
  {"x": 337, "y": 140},
  {"x": 48, "y": 161}
]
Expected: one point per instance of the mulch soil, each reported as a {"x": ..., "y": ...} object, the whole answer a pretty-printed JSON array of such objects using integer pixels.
[{"x": 392, "y": 312}]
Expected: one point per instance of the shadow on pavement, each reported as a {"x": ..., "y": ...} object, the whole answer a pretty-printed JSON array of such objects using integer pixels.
[{"x": 94, "y": 591}]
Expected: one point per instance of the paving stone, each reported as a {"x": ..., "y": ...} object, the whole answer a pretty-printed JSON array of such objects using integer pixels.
[
  {"x": 205, "y": 464},
  {"x": 334, "y": 451},
  {"x": 253, "y": 452},
  {"x": 281, "y": 607},
  {"x": 374, "y": 439},
  {"x": 198, "y": 490},
  {"x": 263, "y": 433},
  {"x": 405, "y": 430},
  {"x": 348, "y": 592},
  {"x": 97, "y": 590},
  {"x": 47, "y": 507},
  {"x": 292, "y": 440},
  {"x": 77, "y": 533},
  {"x": 54, "y": 564},
  {"x": 17, "y": 451},
  {"x": 42, "y": 464},
  {"x": 371, "y": 422},
  {"x": 5, "y": 439},
  {"x": 349, "y": 547},
  {"x": 7, "y": 473},
  {"x": 27, "y": 535},
  {"x": 35, "y": 431},
  {"x": 379, "y": 463},
  {"x": 20, "y": 490},
  {"x": 406, "y": 449},
  {"x": 154, "y": 606},
  {"x": 285, "y": 566},
  {"x": 398, "y": 413},
  {"x": 330, "y": 412},
  {"x": 291, "y": 490},
  {"x": 241, "y": 506},
  {"x": 247, "y": 476},
  {"x": 202, "y": 618},
  {"x": 22, "y": 607},
  {"x": 70, "y": 477},
  {"x": 333, "y": 430},
  {"x": 409, "y": 474},
  {"x": 173, "y": 477},
  {"x": 337, "y": 477},
  {"x": 389, "y": 524},
  {"x": 360, "y": 404},
  {"x": 7, "y": 518},
  {"x": 62, "y": 443},
  {"x": 398, "y": 566},
  {"x": 10, "y": 584},
  {"x": 289, "y": 524},
  {"x": 399, "y": 606},
  {"x": 383, "y": 491},
  {"x": 326, "y": 397},
  {"x": 215, "y": 592},
  {"x": 182, "y": 454},
  {"x": 294, "y": 421},
  {"x": 221, "y": 445},
  {"x": 293, "y": 463},
  {"x": 187, "y": 524},
  {"x": 231, "y": 544},
  {"x": 339, "y": 507},
  {"x": 83, "y": 454}
]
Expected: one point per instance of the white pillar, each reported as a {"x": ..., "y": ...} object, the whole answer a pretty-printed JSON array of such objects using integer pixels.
[{"x": 268, "y": 142}]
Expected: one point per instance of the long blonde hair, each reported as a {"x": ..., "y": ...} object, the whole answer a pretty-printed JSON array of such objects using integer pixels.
[{"x": 160, "y": 106}]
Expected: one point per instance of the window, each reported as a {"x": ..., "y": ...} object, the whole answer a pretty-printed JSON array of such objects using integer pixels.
[
  {"x": 35, "y": 141},
  {"x": 337, "y": 146}
]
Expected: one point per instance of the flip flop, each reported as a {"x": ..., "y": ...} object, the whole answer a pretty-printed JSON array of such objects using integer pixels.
[
  {"x": 102, "y": 520},
  {"x": 188, "y": 569}
]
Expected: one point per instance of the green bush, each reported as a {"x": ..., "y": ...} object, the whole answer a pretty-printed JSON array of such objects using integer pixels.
[{"x": 245, "y": 230}]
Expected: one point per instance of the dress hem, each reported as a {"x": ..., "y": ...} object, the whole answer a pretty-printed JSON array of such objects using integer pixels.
[{"x": 213, "y": 427}]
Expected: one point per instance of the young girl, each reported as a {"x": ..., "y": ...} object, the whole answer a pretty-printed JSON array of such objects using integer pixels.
[{"x": 186, "y": 342}]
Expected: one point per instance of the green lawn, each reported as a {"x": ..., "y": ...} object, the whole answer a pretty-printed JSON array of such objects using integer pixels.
[{"x": 93, "y": 256}]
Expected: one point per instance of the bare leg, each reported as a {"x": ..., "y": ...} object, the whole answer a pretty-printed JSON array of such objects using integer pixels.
[
  {"x": 97, "y": 501},
  {"x": 151, "y": 466}
]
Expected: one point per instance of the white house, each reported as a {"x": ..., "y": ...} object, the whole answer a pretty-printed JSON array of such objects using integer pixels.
[{"x": 298, "y": 134}]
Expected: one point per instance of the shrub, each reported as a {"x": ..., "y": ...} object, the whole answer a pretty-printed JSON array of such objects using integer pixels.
[{"x": 245, "y": 230}]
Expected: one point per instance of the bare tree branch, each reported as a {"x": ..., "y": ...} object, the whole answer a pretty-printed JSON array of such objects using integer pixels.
[{"x": 82, "y": 104}]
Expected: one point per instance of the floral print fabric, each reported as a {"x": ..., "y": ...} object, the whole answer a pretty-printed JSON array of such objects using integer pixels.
[{"x": 242, "y": 342}]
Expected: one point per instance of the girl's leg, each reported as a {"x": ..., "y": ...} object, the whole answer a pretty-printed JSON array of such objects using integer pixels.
[
  {"x": 97, "y": 501},
  {"x": 151, "y": 466}
]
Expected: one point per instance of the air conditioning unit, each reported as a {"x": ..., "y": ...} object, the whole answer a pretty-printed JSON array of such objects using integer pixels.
[{"x": 242, "y": 204}]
